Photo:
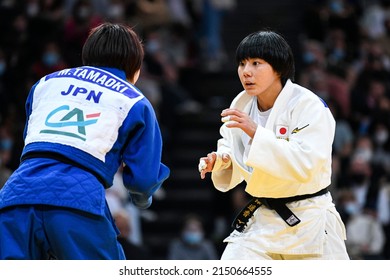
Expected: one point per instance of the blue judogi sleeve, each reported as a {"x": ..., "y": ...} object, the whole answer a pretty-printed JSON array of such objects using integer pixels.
[{"x": 143, "y": 171}]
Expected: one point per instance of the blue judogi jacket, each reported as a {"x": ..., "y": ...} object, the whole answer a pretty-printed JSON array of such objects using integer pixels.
[{"x": 82, "y": 124}]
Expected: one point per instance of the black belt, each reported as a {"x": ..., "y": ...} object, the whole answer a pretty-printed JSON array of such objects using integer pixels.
[{"x": 277, "y": 204}]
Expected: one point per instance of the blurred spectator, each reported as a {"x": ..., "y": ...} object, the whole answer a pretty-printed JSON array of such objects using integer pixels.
[
  {"x": 151, "y": 14},
  {"x": 384, "y": 216},
  {"x": 383, "y": 111},
  {"x": 163, "y": 68},
  {"x": 371, "y": 83},
  {"x": 365, "y": 229},
  {"x": 192, "y": 244},
  {"x": 6, "y": 143},
  {"x": 316, "y": 80},
  {"x": 381, "y": 141},
  {"x": 315, "y": 19},
  {"x": 118, "y": 199},
  {"x": 76, "y": 29},
  {"x": 338, "y": 88},
  {"x": 365, "y": 236},
  {"x": 359, "y": 171},
  {"x": 132, "y": 251},
  {"x": 313, "y": 53},
  {"x": 9, "y": 136},
  {"x": 99, "y": 6},
  {"x": 179, "y": 12},
  {"x": 50, "y": 61},
  {"x": 47, "y": 15},
  {"x": 373, "y": 19},
  {"x": 336, "y": 47},
  {"x": 150, "y": 86},
  {"x": 384, "y": 40},
  {"x": 123, "y": 221},
  {"x": 212, "y": 45},
  {"x": 343, "y": 145},
  {"x": 344, "y": 135},
  {"x": 346, "y": 204},
  {"x": 367, "y": 180},
  {"x": 13, "y": 26},
  {"x": 116, "y": 11},
  {"x": 5, "y": 85},
  {"x": 344, "y": 15}
]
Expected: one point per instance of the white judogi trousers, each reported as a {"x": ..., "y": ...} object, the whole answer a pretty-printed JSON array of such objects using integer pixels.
[{"x": 319, "y": 236}]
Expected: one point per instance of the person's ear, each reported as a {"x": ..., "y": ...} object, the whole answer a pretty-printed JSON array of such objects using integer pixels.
[{"x": 135, "y": 77}]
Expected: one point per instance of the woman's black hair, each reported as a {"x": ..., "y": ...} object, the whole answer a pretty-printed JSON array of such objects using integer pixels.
[
  {"x": 271, "y": 47},
  {"x": 114, "y": 45}
]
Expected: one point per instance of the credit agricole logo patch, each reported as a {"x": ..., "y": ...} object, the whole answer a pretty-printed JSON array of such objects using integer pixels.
[{"x": 69, "y": 118}]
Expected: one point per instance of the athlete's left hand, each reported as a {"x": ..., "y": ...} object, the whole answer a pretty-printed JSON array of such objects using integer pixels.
[{"x": 236, "y": 118}]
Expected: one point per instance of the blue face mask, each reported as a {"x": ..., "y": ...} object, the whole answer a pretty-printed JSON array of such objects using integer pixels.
[
  {"x": 153, "y": 46},
  {"x": 352, "y": 208},
  {"x": 308, "y": 57},
  {"x": 50, "y": 58},
  {"x": 3, "y": 67},
  {"x": 192, "y": 237},
  {"x": 336, "y": 7},
  {"x": 6, "y": 144}
]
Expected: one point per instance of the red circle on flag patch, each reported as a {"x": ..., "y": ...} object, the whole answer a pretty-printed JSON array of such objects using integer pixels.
[{"x": 282, "y": 130}]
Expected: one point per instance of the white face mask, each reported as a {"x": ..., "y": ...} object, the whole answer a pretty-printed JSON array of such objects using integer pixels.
[
  {"x": 381, "y": 136},
  {"x": 32, "y": 9},
  {"x": 115, "y": 11},
  {"x": 364, "y": 153}
]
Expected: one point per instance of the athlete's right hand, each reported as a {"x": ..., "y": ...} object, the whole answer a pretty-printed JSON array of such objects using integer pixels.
[{"x": 206, "y": 164}]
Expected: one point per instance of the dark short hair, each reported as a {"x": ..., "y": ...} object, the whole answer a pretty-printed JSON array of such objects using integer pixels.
[
  {"x": 271, "y": 47},
  {"x": 114, "y": 45}
]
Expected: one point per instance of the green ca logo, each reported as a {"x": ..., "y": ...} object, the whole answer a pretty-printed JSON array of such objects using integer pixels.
[{"x": 75, "y": 118}]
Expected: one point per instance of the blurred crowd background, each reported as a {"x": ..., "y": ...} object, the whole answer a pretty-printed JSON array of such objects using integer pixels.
[{"x": 342, "y": 51}]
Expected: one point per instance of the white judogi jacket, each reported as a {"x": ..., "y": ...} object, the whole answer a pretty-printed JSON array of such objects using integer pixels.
[{"x": 290, "y": 156}]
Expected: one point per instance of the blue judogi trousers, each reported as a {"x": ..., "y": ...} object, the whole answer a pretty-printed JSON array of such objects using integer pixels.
[{"x": 45, "y": 232}]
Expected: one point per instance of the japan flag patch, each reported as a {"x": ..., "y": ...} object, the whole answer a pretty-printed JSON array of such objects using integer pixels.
[{"x": 282, "y": 131}]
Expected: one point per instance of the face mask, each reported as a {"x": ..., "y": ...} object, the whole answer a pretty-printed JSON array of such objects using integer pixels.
[
  {"x": 32, "y": 9},
  {"x": 351, "y": 208},
  {"x": 193, "y": 237},
  {"x": 381, "y": 137},
  {"x": 364, "y": 153},
  {"x": 336, "y": 7},
  {"x": 152, "y": 46},
  {"x": 308, "y": 57},
  {"x": 338, "y": 54},
  {"x": 2, "y": 67},
  {"x": 115, "y": 11},
  {"x": 6, "y": 144},
  {"x": 50, "y": 58}
]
